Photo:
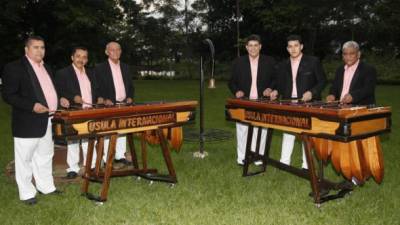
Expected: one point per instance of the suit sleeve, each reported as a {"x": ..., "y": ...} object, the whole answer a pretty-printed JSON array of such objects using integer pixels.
[
  {"x": 234, "y": 80},
  {"x": 12, "y": 79},
  {"x": 321, "y": 78},
  {"x": 61, "y": 83},
  {"x": 272, "y": 82},
  {"x": 94, "y": 85},
  {"x": 334, "y": 90},
  {"x": 130, "y": 90},
  {"x": 100, "y": 88},
  {"x": 368, "y": 87},
  {"x": 279, "y": 80}
]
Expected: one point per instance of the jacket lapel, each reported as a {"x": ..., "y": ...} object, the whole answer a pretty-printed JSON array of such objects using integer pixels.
[
  {"x": 299, "y": 72},
  {"x": 288, "y": 74},
  {"x": 356, "y": 76},
  {"x": 74, "y": 79},
  {"x": 248, "y": 69},
  {"x": 123, "y": 72},
  {"x": 35, "y": 82},
  {"x": 110, "y": 76}
]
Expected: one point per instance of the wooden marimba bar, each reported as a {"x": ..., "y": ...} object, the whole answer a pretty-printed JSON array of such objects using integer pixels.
[
  {"x": 345, "y": 134},
  {"x": 164, "y": 119}
]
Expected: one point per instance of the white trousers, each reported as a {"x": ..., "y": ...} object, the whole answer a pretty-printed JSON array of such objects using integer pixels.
[
  {"x": 34, "y": 156},
  {"x": 287, "y": 149},
  {"x": 120, "y": 147},
  {"x": 73, "y": 155},
  {"x": 241, "y": 138}
]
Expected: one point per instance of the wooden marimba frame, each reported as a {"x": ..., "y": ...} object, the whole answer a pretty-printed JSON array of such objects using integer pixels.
[
  {"x": 315, "y": 123},
  {"x": 96, "y": 124}
]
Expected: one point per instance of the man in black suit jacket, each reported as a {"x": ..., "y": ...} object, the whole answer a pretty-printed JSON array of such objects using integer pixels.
[
  {"x": 77, "y": 84},
  {"x": 299, "y": 77},
  {"x": 354, "y": 81},
  {"x": 29, "y": 89},
  {"x": 115, "y": 85},
  {"x": 252, "y": 77}
]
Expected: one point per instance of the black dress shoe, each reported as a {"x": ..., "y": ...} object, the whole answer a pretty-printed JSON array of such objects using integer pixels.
[
  {"x": 71, "y": 175},
  {"x": 122, "y": 161},
  {"x": 55, "y": 192},
  {"x": 31, "y": 201}
]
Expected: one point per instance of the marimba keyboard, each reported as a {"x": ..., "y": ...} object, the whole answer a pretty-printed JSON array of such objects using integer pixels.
[
  {"x": 345, "y": 134},
  {"x": 163, "y": 119}
]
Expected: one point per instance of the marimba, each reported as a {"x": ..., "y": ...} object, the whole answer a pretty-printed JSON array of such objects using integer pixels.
[
  {"x": 346, "y": 134},
  {"x": 163, "y": 119}
]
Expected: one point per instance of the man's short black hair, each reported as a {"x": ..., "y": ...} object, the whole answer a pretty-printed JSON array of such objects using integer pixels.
[
  {"x": 253, "y": 37},
  {"x": 74, "y": 49},
  {"x": 33, "y": 38},
  {"x": 295, "y": 37}
]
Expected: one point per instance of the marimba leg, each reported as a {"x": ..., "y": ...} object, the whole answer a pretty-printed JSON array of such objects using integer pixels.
[
  {"x": 108, "y": 169},
  {"x": 248, "y": 150},
  {"x": 86, "y": 174},
  {"x": 132, "y": 150},
  {"x": 312, "y": 173},
  {"x": 267, "y": 147},
  {"x": 144, "y": 150},
  {"x": 100, "y": 152},
  {"x": 167, "y": 156}
]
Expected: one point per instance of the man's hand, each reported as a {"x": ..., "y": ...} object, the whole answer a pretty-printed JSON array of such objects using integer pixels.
[
  {"x": 64, "y": 102},
  {"x": 108, "y": 102},
  {"x": 129, "y": 100},
  {"x": 239, "y": 94},
  {"x": 100, "y": 100},
  {"x": 330, "y": 98},
  {"x": 78, "y": 99},
  {"x": 307, "y": 96},
  {"x": 39, "y": 108},
  {"x": 267, "y": 92},
  {"x": 347, "y": 99},
  {"x": 274, "y": 95}
]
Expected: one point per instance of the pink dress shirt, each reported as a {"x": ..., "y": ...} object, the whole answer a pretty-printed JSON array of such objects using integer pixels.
[
  {"x": 46, "y": 84},
  {"x": 119, "y": 86},
  {"x": 84, "y": 86},
  {"x": 253, "y": 68},
  {"x": 294, "y": 63},
  {"x": 348, "y": 77}
]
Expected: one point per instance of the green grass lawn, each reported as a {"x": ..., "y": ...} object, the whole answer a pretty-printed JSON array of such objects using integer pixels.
[{"x": 211, "y": 191}]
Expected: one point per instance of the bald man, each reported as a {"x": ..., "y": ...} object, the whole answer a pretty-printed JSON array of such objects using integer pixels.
[{"x": 115, "y": 86}]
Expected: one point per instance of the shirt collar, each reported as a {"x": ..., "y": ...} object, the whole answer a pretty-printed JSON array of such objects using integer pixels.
[
  {"x": 78, "y": 70},
  {"x": 296, "y": 60},
  {"x": 352, "y": 67},
  {"x": 113, "y": 63},
  {"x": 33, "y": 62},
  {"x": 254, "y": 59}
]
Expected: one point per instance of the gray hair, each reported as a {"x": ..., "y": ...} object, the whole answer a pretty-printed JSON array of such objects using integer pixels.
[
  {"x": 351, "y": 44},
  {"x": 112, "y": 42}
]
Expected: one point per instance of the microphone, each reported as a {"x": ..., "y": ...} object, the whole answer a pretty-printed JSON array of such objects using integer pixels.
[
  {"x": 207, "y": 41},
  {"x": 210, "y": 45}
]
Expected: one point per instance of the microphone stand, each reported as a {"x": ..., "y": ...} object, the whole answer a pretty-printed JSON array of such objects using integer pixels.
[{"x": 201, "y": 153}]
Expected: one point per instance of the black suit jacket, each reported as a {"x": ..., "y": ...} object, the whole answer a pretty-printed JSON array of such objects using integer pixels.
[
  {"x": 68, "y": 85},
  {"x": 241, "y": 75},
  {"x": 310, "y": 77},
  {"x": 21, "y": 89},
  {"x": 106, "y": 82},
  {"x": 362, "y": 86}
]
